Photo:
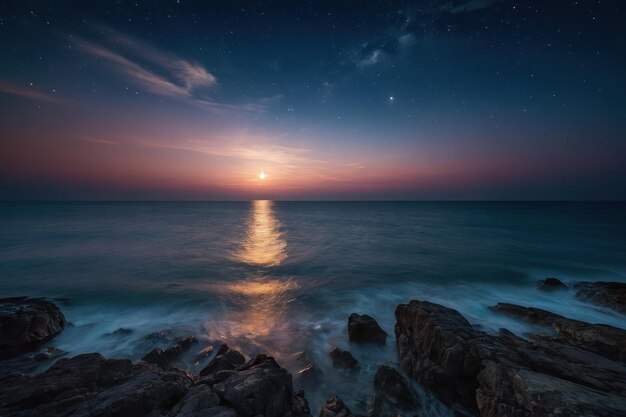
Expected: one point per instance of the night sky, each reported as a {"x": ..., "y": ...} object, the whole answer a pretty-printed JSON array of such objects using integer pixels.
[{"x": 467, "y": 99}]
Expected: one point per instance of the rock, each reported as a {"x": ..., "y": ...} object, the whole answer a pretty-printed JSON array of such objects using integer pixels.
[
  {"x": 606, "y": 294},
  {"x": 374, "y": 406},
  {"x": 435, "y": 349},
  {"x": 393, "y": 385},
  {"x": 504, "y": 375},
  {"x": 157, "y": 337},
  {"x": 551, "y": 284},
  {"x": 203, "y": 354},
  {"x": 26, "y": 322},
  {"x": 225, "y": 359},
  {"x": 334, "y": 407},
  {"x": 342, "y": 358},
  {"x": 121, "y": 332},
  {"x": 260, "y": 387},
  {"x": 602, "y": 339},
  {"x": 299, "y": 405},
  {"x": 89, "y": 385},
  {"x": 28, "y": 363},
  {"x": 364, "y": 329},
  {"x": 307, "y": 375},
  {"x": 166, "y": 358},
  {"x": 199, "y": 401}
]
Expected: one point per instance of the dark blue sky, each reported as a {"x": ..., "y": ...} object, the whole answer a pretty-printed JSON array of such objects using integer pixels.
[{"x": 471, "y": 99}]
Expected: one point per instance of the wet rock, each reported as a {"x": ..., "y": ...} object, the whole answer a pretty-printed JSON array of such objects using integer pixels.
[
  {"x": 551, "y": 284},
  {"x": 364, "y": 329},
  {"x": 121, "y": 332},
  {"x": 89, "y": 385},
  {"x": 504, "y": 375},
  {"x": 435, "y": 348},
  {"x": 260, "y": 387},
  {"x": 374, "y": 406},
  {"x": 602, "y": 339},
  {"x": 299, "y": 405},
  {"x": 334, "y": 407},
  {"x": 225, "y": 359},
  {"x": 161, "y": 336},
  {"x": 166, "y": 358},
  {"x": 203, "y": 354},
  {"x": 26, "y": 322},
  {"x": 606, "y": 294},
  {"x": 342, "y": 358},
  {"x": 28, "y": 363},
  {"x": 393, "y": 385},
  {"x": 307, "y": 375},
  {"x": 200, "y": 401}
]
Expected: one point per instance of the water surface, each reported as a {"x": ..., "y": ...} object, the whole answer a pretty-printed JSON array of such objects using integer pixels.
[{"x": 282, "y": 277}]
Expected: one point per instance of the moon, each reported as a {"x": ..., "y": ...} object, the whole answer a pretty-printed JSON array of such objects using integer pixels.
[{"x": 262, "y": 175}]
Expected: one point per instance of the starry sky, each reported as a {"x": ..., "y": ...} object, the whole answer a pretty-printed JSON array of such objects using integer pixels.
[{"x": 348, "y": 100}]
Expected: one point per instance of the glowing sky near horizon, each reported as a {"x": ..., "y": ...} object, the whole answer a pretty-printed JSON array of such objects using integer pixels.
[{"x": 467, "y": 99}]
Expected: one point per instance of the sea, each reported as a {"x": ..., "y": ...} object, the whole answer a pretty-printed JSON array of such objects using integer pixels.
[{"x": 281, "y": 278}]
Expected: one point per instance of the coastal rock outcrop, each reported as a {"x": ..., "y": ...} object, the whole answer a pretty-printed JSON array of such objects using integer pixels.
[
  {"x": 260, "y": 387},
  {"x": 606, "y": 294},
  {"x": 342, "y": 358},
  {"x": 166, "y": 358},
  {"x": 364, "y": 329},
  {"x": 602, "y": 339},
  {"x": 334, "y": 407},
  {"x": 504, "y": 375},
  {"x": 26, "y": 322},
  {"x": 551, "y": 284},
  {"x": 225, "y": 359},
  {"x": 389, "y": 382},
  {"x": 199, "y": 401},
  {"x": 89, "y": 385}
]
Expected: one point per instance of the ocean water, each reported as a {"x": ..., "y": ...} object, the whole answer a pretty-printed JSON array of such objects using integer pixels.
[{"x": 282, "y": 277}]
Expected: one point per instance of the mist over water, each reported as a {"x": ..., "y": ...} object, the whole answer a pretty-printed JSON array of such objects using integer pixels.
[{"x": 282, "y": 277}]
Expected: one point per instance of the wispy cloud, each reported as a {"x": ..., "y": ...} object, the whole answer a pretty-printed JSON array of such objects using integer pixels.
[
  {"x": 269, "y": 153},
  {"x": 382, "y": 48},
  {"x": 159, "y": 72},
  {"x": 92, "y": 139},
  {"x": 26, "y": 92}
]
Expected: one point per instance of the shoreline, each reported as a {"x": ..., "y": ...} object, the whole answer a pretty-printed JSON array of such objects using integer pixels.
[{"x": 470, "y": 371}]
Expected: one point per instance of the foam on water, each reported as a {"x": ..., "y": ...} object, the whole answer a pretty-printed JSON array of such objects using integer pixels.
[{"x": 282, "y": 278}]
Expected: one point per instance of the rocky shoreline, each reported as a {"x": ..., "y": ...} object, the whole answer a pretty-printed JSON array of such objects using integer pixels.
[{"x": 572, "y": 368}]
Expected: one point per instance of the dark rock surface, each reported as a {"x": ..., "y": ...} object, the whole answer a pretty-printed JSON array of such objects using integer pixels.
[
  {"x": 606, "y": 294},
  {"x": 168, "y": 357},
  {"x": 300, "y": 406},
  {"x": 504, "y": 375},
  {"x": 260, "y": 386},
  {"x": 551, "y": 284},
  {"x": 307, "y": 374},
  {"x": 89, "y": 385},
  {"x": 334, "y": 407},
  {"x": 225, "y": 359},
  {"x": 199, "y": 401},
  {"x": 121, "y": 332},
  {"x": 602, "y": 339},
  {"x": 389, "y": 382},
  {"x": 364, "y": 329},
  {"x": 342, "y": 358},
  {"x": 26, "y": 322}
]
